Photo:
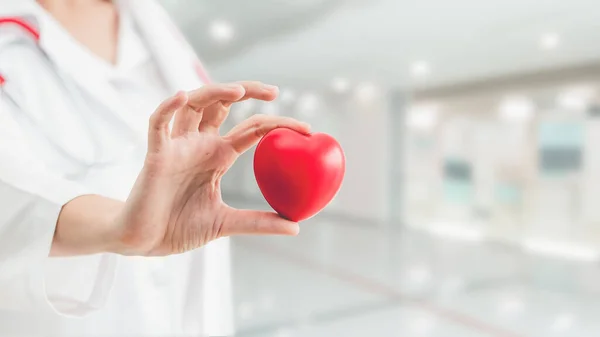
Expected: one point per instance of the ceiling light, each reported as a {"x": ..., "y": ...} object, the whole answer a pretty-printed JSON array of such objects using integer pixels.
[
  {"x": 221, "y": 31},
  {"x": 516, "y": 109},
  {"x": 366, "y": 92},
  {"x": 577, "y": 98},
  {"x": 340, "y": 85},
  {"x": 549, "y": 41},
  {"x": 420, "y": 68},
  {"x": 423, "y": 117}
]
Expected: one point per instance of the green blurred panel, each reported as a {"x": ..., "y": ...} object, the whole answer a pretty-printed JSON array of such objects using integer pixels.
[
  {"x": 508, "y": 194},
  {"x": 458, "y": 192}
]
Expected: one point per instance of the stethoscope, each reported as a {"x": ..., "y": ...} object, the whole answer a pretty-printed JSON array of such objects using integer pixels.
[
  {"x": 25, "y": 26},
  {"x": 96, "y": 161}
]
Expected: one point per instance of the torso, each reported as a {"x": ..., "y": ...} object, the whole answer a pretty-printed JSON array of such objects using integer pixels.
[
  {"x": 88, "y": 143},
  {"x": 102, "y": 146}
]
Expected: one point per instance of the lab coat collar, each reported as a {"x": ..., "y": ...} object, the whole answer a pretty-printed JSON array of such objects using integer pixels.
[
  {"x": 56, "y": 44},
  {"x": 175, "y": 58}
]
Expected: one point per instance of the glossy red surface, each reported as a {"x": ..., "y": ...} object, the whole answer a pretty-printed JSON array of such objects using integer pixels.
[{"x": 298, "y": 174}]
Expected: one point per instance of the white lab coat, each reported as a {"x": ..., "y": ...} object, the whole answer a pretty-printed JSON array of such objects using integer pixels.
[{"x": 64, "y": 133}]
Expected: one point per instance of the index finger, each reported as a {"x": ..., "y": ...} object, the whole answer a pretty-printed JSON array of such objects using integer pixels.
[
  {"x": 249, "y": 132},
  {"x": 213, "y": 93}
]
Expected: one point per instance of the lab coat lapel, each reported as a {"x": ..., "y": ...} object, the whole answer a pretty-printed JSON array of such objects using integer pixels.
[
  {"x": 176, "y": 59},
  {"x": 101, "y": 91},
  {"x": 92, "y": 81}
]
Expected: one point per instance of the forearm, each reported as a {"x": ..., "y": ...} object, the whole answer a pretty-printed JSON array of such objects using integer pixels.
[{"x": 86, "y": 226}]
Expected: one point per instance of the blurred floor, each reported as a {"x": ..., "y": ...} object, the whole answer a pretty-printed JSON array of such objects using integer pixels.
[{"x": 342, "y": 279}]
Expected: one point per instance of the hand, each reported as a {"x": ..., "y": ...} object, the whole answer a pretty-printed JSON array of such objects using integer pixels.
[{"x": 175, "y": 205}]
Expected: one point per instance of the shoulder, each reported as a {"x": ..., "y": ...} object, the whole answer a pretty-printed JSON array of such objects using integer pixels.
[
  {"x": 23, "y": 65},
  {"x": 21, "y": 62},
  {"x": 26, "y": 71}
]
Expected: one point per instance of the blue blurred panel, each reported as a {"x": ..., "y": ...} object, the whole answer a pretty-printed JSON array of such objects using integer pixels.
[
  {"x": 560, "y": 135},
  {"x": 458, "y": 185},
  {"x": 508, "y": 194},
  {"x": 560, "y": 147}
]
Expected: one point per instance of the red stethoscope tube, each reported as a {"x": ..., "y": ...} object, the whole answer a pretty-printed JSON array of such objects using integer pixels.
[{"x": 26, "y": 26}]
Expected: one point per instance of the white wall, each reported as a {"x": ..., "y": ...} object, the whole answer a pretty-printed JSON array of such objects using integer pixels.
[
  {"x": 362, "y": 129},
  {"x": 364, "y": 135}
]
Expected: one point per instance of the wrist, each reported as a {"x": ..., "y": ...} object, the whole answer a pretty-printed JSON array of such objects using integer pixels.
[
  {"x": 88, "y": 225},
  {"x": 113, "y": 236}
]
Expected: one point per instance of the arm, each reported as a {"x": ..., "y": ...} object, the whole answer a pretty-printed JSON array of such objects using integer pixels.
[
  {"x": 175, "y": 204},
  {"x": 97, "y": 236}
]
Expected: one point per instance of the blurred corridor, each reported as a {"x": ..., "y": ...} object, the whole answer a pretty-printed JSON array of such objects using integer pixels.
[
  {"x": 341, "y": 280},
  {"x": 470, "y": 129}
]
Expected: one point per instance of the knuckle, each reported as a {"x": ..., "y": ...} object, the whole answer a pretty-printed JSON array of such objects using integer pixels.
[
  {"x": 154, "y": 121},
  {"x": 259, "y": 132},
  {"x": 257, "y": 124},
  {"x": 251, "y": 83}
]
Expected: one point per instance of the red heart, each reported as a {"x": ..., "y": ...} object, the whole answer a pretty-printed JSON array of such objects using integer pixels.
[{"x": 298, "y": 174}]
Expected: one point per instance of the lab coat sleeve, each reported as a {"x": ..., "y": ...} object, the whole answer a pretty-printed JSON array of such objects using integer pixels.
[{"x": 31, "y": 199}]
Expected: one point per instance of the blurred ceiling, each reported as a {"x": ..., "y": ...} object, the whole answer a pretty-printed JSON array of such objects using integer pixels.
[{"x": 310, "y": 42}]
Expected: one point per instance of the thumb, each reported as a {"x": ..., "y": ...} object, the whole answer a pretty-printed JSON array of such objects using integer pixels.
[{"x": 249, "y": 222}]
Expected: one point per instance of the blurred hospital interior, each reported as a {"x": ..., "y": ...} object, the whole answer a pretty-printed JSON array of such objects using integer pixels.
[{"x": 470, "y": 201}]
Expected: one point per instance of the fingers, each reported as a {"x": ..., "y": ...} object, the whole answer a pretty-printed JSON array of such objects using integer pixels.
[
  {"x": 212, "y": 93},
  {"x": 158, "y": 130},
  {"x": 248, "y": 222},
  {"x": 216, "y": 114},
  {"x": 260, "y": 91},
  {"x": 249, "y": 132},
  {"x": 188, "y": 119}
]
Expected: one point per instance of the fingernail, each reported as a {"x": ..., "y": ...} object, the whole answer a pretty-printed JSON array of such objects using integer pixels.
[
  {"x": 181, "y": 95},
  {"x": 306, "y": 127}
]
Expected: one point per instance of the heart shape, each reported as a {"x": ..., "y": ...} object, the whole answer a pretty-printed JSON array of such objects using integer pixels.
[{"x": 298, "y": 174}]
